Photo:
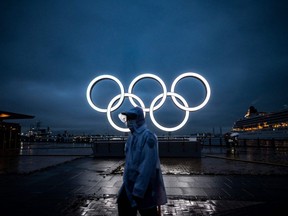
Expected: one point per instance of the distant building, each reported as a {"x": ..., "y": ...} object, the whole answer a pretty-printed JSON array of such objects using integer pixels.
[
  {"x": 38, "y": 134},
  {"x": 10, "y": 132}
]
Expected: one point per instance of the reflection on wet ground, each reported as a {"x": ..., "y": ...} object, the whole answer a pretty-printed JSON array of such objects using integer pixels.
[
  {"x": 28, "y": 164},
  {"x": 220, "y": 160},
  {"x": 221, "y": 181},
  {"x": 264, "y": 154},
  {"x": 214, "y": 160},
  {"x": 37, "y": 156},
  {"x": 175, "y": 206},
  {"x": 215, "y": 166},
  {"x": 218, "y": 166}
]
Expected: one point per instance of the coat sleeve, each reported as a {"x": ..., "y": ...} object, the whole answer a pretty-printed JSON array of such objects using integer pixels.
[{"x": 147, "y": 166}]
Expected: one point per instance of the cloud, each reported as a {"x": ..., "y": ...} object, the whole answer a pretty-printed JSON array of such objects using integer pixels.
[{"x": 50, "y": 51}]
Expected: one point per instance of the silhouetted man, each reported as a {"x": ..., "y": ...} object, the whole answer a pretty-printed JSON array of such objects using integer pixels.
[{"x": 143, "y": 187}]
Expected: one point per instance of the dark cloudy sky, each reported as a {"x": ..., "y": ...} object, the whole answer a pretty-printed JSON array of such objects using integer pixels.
[{"x": 51, "y": 50}]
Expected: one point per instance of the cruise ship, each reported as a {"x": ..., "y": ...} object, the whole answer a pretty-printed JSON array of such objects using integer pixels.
[{"x": 262, "y": 125}]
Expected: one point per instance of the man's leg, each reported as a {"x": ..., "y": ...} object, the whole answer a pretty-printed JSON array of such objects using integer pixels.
[
  {"x": 124, "y": 206},
  {"x": 149, "y": 212}
]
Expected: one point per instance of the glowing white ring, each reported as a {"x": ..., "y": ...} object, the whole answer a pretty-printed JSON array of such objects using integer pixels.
[
  {"x": 172, "y": 94},
  {"x": 142, "y": 76},
  {"x": 202, "y": 79},
  {"x": 151, "y": 109},
  {"x": 109, "y": 109},
  {"x": 93, "y": 83}
]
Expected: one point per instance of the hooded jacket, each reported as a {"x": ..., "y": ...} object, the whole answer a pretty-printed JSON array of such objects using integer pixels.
[{"x": 142, "y": 176}]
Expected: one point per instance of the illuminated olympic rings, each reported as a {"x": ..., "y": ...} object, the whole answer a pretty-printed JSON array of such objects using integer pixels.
[{"x": 185, "y": 107}]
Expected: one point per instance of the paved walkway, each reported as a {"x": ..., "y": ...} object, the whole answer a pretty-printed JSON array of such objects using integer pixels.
[{"x": 88, "y": 186}]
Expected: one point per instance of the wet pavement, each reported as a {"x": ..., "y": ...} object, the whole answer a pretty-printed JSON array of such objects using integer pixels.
[
  {"x": 252, "y": 182},
  {"x": 37, "y": 156}
]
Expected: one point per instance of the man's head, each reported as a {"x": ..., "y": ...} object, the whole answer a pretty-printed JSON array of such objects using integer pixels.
[{"x": 134, "y": 118}]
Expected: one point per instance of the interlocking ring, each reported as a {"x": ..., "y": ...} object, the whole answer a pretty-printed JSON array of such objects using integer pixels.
[
  {"x": 117, "y": 97},
  {"x": 199, "y": 77},
  {"x": 94, "y": 82},
  {"x": 142, "y": 76},
  {"x": 172, "y": 94},
  {"x": 111, "y": 107}
]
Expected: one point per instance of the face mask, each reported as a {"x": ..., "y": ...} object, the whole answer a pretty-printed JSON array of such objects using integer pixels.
[{"x": 131, "y": 124}]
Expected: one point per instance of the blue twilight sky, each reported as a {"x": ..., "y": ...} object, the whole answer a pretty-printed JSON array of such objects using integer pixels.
[{"x": 51, "y": 50}]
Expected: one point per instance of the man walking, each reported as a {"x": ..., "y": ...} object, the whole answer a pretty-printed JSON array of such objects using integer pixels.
[{"x": 143, "y": 187}]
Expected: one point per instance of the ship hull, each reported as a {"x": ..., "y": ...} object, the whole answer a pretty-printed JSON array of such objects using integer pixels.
[
  {"x": 263, "y": 126},
  {"x": 264, "y": 135}
]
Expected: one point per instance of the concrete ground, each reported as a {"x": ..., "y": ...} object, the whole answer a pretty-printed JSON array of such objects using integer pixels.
[{"x": 88, "y": 186}]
